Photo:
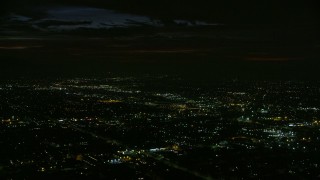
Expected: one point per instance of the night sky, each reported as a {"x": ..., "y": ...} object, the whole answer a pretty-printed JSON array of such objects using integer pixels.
[{"x": 229, "y": 39}]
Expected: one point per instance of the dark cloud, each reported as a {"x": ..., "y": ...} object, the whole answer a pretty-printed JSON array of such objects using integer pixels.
[{"x": 258, "y": 39}]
